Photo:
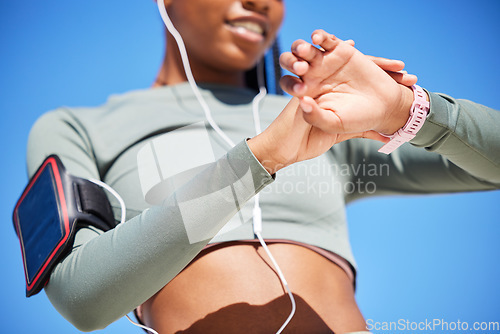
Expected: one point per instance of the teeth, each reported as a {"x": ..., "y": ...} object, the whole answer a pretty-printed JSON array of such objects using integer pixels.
[{"x": 251, "y": 26}]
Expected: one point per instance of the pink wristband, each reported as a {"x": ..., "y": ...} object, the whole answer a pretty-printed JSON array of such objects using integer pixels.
[{"x": 418, "y": 114}]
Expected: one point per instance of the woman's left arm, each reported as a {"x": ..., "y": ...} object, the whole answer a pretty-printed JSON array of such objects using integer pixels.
[
  {"x": 457, "y": 149},
  {"x": 466, "y": 133},
  {"x": 342, "y": 93}
]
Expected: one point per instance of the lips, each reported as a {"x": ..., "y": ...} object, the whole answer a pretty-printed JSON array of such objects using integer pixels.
[
  {"x": 250, "y": 28},
  {"x": 248, "y": 25}
]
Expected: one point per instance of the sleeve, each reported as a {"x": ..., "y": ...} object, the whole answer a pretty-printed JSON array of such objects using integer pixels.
[
  {"x": 109, "y": 274},
  {"x": 457, "y": 149}
]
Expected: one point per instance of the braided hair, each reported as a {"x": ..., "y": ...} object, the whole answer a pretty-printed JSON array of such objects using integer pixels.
[{"x": 272, "y": 72}]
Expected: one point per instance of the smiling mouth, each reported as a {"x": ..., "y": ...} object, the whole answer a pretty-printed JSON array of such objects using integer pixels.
[{"x": 248, "y": 25}]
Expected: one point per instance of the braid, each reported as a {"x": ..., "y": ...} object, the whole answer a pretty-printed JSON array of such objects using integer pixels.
[
  {"x": 277, "y": 68},
  {"x": 272, "y": 72}
]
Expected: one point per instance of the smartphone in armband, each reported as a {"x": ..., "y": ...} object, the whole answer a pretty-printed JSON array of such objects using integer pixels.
[{"x": 53, "y": 206}]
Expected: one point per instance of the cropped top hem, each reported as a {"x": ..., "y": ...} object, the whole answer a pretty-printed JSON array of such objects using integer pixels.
[{"x": 335, "y": 258}]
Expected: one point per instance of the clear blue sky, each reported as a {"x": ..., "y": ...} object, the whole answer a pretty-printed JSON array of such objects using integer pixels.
[{"x": 432, "y": 257}]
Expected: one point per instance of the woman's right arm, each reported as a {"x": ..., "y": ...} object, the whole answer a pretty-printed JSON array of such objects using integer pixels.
[{"x": 108, "y": 274}]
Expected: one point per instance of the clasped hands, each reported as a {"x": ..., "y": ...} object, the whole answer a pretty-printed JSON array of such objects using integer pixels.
[{"x": 338, "y": 94}]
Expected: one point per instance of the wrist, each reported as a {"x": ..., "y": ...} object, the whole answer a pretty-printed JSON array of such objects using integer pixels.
[
  {"x": 401, "y": 112},
  {"x": 278, "y": 146},
  {"x": 418, "y": 113},
  {"x": 261, "y": 149}
]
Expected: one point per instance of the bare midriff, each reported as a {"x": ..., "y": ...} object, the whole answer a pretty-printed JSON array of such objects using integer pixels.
[{"x": 233, "y": 288}]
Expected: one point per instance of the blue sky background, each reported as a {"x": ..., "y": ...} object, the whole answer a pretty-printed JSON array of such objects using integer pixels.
[{"x": 430, "y": 257}]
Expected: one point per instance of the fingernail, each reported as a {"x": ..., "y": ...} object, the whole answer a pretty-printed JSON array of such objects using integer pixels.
[
  {"x": 296, "y": 66},
  {"x": 300, "y": 47}
]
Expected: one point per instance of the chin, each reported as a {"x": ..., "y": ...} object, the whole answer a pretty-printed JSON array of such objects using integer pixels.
[{"x": 242, "y": 60}]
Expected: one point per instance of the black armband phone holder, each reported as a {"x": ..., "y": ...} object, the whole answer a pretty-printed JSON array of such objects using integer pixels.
[{"x": 51, "y": 209}]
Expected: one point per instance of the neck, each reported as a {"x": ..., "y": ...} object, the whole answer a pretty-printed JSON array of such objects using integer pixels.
[{"x": 172, "y": 70}]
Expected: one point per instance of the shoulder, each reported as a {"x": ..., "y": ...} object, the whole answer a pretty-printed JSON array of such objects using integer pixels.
[
  {"x": 72, "y": 132},
  {"x": 117, "y": 111}
]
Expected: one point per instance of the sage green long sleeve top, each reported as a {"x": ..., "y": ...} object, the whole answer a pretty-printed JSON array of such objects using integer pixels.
[{"x": 109, "y": 274}]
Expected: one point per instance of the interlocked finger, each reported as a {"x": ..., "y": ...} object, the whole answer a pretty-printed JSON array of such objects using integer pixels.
[
  {"x": 305, "y": 51},
  {"x": 327, "y": 41},
  {"x": 289, "y": 62}
]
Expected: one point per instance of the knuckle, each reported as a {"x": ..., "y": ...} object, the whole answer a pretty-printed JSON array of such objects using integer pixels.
[
  {"x": 297, "y": 43},
  {"x": 286, "y": 59},
  {"x": 283, "y": 57}
]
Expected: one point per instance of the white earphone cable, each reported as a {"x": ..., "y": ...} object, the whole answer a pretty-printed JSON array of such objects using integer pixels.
[
  {"x": 257, "y": 217},
  {"x": 189, "y": 74},
  {"x": 257, "y": 211},
  {"x": 122, "y": 220},
  {"x": 116, "y": 195},
  {"x": 141, "y": 326}
]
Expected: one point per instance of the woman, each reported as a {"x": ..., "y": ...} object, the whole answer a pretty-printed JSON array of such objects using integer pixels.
[{"x": 229, "y": 287}]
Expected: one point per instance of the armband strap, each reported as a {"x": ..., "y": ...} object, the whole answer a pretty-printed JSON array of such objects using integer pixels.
[
  {"x": 51, "y": 209},
  {"x": 418, "y": 114}
]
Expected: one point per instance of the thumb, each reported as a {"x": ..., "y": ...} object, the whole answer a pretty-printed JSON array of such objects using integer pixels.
[
  {"x": 329, "y": 122},
  {"x": 325, "y": 120}
]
